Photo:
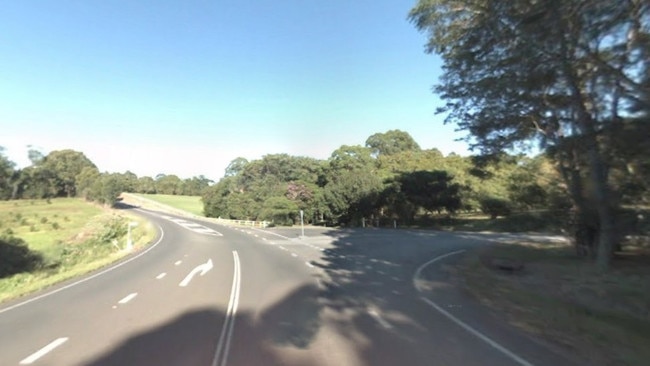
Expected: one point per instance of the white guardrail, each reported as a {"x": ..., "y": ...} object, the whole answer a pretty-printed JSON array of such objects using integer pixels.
[{"x": 249, "y": 223}]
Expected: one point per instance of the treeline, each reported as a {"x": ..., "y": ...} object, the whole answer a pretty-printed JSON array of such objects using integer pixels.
[
  {"x": 69, "y": 173},
  {"x": 390, "y": 178}
]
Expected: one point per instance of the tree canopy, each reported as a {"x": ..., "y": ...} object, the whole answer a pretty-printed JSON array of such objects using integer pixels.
[{"x": 565, "y": 74}]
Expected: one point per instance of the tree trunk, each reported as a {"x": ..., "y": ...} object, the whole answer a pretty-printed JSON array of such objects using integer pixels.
[
  {"x": 598, "y": 173},
  {"x": 606, "y": 229}
]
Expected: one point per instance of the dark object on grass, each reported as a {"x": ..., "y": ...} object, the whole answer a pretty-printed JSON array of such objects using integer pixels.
[{"x": 505, "y": 264}]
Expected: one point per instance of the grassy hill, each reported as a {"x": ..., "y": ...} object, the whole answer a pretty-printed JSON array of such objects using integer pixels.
[{"x": 62, "y": 238}]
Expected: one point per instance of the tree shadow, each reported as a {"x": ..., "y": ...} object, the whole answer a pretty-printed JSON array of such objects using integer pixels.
[
  {"x": 328, "y": 324},
  {"x": 16, "y": 257},
  {"x": 192, "y": 337}
]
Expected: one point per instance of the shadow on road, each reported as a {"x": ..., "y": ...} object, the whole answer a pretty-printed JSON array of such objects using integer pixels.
[
  {"x": 192, "y": 338},
  {"x": 365, "y": 311}
]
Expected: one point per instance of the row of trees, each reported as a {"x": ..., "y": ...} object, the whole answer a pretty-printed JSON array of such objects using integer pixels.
[
  {"x": 573, "y": 76},
  {"x": 69, "y": 173},
  {"x": 390, "y": 178}
]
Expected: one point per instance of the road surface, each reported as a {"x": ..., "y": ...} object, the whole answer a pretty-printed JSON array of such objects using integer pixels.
[{"x": 207, "y": 294}]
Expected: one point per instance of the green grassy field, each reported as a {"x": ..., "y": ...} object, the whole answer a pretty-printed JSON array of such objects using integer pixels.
[
  {"x": 191, "y": 204},
  {"x": 602, "y": 317},
  {"x": 70, "y": 235}
]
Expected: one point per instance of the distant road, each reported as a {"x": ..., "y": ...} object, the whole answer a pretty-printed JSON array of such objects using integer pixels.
[{"x": 207, "y": 294}]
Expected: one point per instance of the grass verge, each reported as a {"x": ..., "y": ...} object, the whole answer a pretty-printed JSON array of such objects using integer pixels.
[
  {"x": 71, "y": 236},
  {"x": 191, "y": 204},
  {"x": 602, "y": 317}
]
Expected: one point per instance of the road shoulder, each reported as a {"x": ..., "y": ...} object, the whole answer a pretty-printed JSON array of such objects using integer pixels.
[{"x": 439, "y": 283}]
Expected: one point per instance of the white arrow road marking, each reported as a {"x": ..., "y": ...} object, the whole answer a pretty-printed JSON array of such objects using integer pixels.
[
  {"x": 43, "y": 351},
  {"x": 201, "y": 269},
  {"x": 128, "y": 298}
]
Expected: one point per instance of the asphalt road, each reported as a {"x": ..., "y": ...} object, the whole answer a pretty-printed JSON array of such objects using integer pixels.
[{"x": 207, "y": 294}]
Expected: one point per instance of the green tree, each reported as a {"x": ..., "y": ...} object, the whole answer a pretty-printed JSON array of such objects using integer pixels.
[
  {"x": 146, "y": 185},
  {"x": 391, "y": 143},
  {"x": 7, "y": 176},
  {"x": 279, "y": 210},
  {"x": 196, "y": 185},
  {"x": 38, "y": 182},
  {"x": 215, "y": 198},
  {"x": 431, "y": 190},
  {"x": 107, "y": 188},
  {"x": 85, "y": 181},
  {"x": 352, "y": 195},
  {"x": 555, "y": 71},
  {"x": 130, "y": 182},
  {"x": 66, "y": 166},
  {"x": 350, "y": 158},
  {"x": 236, "y": 166},
  {"x": 168, "y": 184}
]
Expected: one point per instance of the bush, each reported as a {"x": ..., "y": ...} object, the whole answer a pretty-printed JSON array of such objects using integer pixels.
[
  {"x": 56, "y": 226},
  {"x": 495, "y": 207},
  {"x": 43, "y": 220},
  {"x": 114, "y": 229},
  {"x": 15, "y": 256}
]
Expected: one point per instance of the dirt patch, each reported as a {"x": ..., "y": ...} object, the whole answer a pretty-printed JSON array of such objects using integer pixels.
[{"x": 602, "y": 317}]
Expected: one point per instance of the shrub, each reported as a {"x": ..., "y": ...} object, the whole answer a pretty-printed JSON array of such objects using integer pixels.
[
  {"x": 43, "y": 220},
  {"x": 114, "y": 229},
  {"x": 56, "y": 226},
  {"x": 495, "y": 207}
]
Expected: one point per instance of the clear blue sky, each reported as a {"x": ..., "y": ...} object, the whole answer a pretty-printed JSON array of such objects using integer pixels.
[{"x": 184, "y": 87}]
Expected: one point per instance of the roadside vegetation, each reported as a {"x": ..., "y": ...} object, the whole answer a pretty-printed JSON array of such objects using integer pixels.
[
  {"x": 567, "y": 301},
  {"x": 43, "y": 242},
  {"x": 570, "y": 80}
]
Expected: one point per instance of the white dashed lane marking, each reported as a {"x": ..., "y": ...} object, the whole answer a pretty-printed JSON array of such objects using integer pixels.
[
  {"x": 43, "y": 351},
  {"x": 128, "y": 298}
]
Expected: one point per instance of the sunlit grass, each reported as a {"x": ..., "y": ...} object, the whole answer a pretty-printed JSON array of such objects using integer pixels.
[
  {"x": 57, "y": 227},
  {"x": 191, "y": 204}
]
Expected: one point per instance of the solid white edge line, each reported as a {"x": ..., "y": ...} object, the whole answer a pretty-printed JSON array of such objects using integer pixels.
[
  {"x": 128, "y": 298},
  {"x": 233, "y": 314},
  {"x": 459, "y": 322},
  {"x": 416, "y": 276},
  {"x": 43, "y": 351},
  {"x": 309, "y": 265},
  {"x": 162, "y": 235},
  {"x": 233, "y": 303}
]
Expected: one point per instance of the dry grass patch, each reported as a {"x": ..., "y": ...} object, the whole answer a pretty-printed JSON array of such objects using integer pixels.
[{"x": 603, "y": 317}]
